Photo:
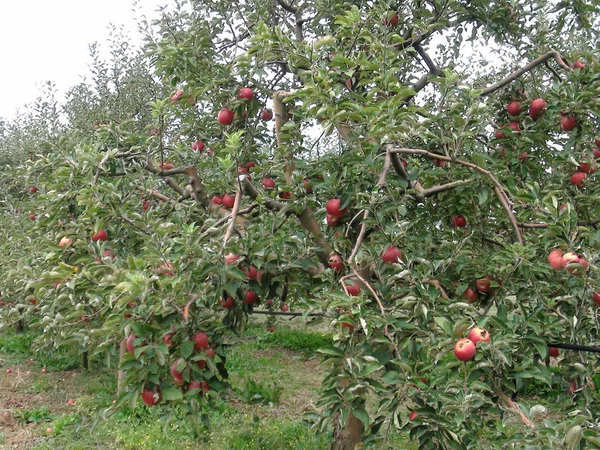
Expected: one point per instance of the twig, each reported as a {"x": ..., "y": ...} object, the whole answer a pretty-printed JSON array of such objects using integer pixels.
[
  {"x": 295, "y": 314},
  {"x": 536, "y": 62},
  {"x": 514, "y": 406},
  {"x": 234, "y": 213},
  {"x": 444, "y": 187},
  {"x": 97, "y": 175}
]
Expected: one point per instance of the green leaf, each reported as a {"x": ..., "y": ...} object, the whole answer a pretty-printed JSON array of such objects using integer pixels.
[
  {"x": 186, "y": 349},
  {"x": 171, "y": 394}
]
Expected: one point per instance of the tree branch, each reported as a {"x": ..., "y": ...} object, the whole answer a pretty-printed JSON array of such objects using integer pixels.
[
  {"x": 444, "y": 187},
  {"x": 289, "y": 8},
  {"x": 536, "y": 62}
]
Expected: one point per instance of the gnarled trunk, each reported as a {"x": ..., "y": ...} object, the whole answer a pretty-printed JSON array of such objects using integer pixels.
[{"x": 346, "y": 438}]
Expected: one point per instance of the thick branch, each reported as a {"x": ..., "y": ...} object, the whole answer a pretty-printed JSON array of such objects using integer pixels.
[
  {"x": 289, "y": 8},
  {"x": 444, "y": 187},
  {"x": 234, "y": 213},
  {"x": 433, "y": 68},
  {"x": 536, "y": 62}
]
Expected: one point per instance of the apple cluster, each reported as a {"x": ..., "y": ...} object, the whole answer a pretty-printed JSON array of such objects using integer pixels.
[{"x": 465, "y": 348}]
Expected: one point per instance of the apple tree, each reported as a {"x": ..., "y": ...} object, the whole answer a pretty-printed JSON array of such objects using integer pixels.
[{"x": 424, "y": 173}]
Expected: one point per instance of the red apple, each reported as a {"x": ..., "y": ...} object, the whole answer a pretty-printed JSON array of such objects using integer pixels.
[
  {"x": 33, "y": 189},
  {"x": 250, "y": 165},
  {"x": 553, "y": 351},
  {"x": 246, "y": 94},
  {"x": 32, "y": 216},
  {"x": 596, "y": 297},
  {"x": 228, "y": 303},
  {"x": 266, "y": 115},
  {"x": 333, "y": 208},
  {"x": 200, "y": 341},
  {"x": 413, "y": 415},
  {"x": 250, "y": 298},
  {"x": 477, "y": 334},
  {"x": 167, "y": 338},
  {"x": 439, "y": 162},
  {"x": 336, "y": 263},
  {"x": 353, "y": 288},
  {"x": 177, "y": 96},
  {"x": 578, "y": 178},
  {"x": 130, "y": 347},
  {"x": 499, "y": 135},
  {"x": 596, "y": 153},
  {"x": 514, "y": 108},
  {"x": 349, "y": 326},
  {"x": 194, "y": 384},
  {"x": 332, "y": 221},
  {"x": 198, "y": 145},
  {"x": 64, "y": 242},
  {"x": 146, "y": 205},
  {"x": 568, "y": 122},
  {"x": 99, "y": 236},
  {"x": 49, "y": 430},
  {"x": 225, "y": 116},
  {"x": 151, "y": 398},
  {"x": 285, "y": 308},
  {"x": 514, "y": 126},
  {"x": 307, "y": 185},
  {"x": 231, "y": 258},
  {"x": 165, "y": 166},
  {"x": 228, "y": 201},
  {"x": 268, "y": 183},
  {"x": 588, "y": 167},
  {"x": 459, "y": 221},
  {"x": 578, "y": 65},
  {"x": 575, "y": 264},
  {"x": 217, "y": 200},
  {"x": 166, "y": 269},
  {"x": 32, "y": 301},
  {"x": 391, "y": 255},
  {"x": 470, "y": 295},
  {"x": 483, "y": 285},
  {"x": 285, "y": 195},
  {"x": 391, "y": 21},
  {"x": 536, "y": 109},
  {"x": 555, "y": 258},
  {"x": 251, "y": 272},
  {"x": 522, "y": 156},
  {"x": 464, "y": 349},
  {"x": 177, "y": 376}
]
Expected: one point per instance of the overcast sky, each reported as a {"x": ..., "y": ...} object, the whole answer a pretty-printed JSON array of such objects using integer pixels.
[{"x": 48, "y": 40}]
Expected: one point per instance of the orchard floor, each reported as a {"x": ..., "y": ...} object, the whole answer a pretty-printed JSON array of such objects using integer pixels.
[{"x": 275, "y": 379}]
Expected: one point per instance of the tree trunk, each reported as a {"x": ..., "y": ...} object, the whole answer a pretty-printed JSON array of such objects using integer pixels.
[
  {"x": 347, "y": 438},
  {"x": 121, "y": 375},
  {"x": 19, "y": 326},
  {"x": 85, "y": 363}
]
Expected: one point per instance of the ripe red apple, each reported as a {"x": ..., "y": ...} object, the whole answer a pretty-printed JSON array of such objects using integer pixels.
[
  {"x": 146, "y": 205},
  {"x": 464, "y": 349},
  {"x": 439, "y": 162},
  {"x": 391, "y": 255},
  {"x": 246, "y": 94},
  {"x": 231, "y": 258},
  {"x": 177, "y": 96},
  {"x": 413, "y": 415},
  {"x": 167, "y": 338},
  {"x": 575, "y": 264},
  {"x": 553, "y": 351},
  {"x": 44, "y": 370},
  {"x": 514, "y": 126},
  {"x": 332, "y": 221},
  {"x": 225, "y": 116},
  {"x": 568, "y": 122},
  {"x": 555, "y": 258},
  {"x": 49, "y": 430},
  {"x": 514, "y": 108},
  {"x": 33, "y": 189},
  {"x": 99, "y": 236},
  {"x": 268, "y": 183},
  {"x": 251, "y": 272},
  {"x": 499, "y": 135},
  {"x": 333, "y": 208},
  {"x": 483, "y": 285},
  {"x": 32, "y": 301},
  {"x": 470, "y": 295},
  {"x": 177, "y": 376},
  {"x": 477, "y": 334},
  {"x": 266, "y": 115},
  {"x": 32, "y": 216},
  {"x": 596, "y": 297},
  {"x": 165, "y": 166},
  {"x": 250, "y": 298},
  {"x": 285, "y": 195},
  {"x": 587, "y": 167},
  {"x": 349, "y": 326},
  {"x": 285, "y": 308},
  {"x": 194, "y": 384},
  {"x": 308, "y": 186},
  {"x": 8, "y": 371},
  {"x": 336, "y": 263},
  {"x": 200, "y": 341},
  {"x": 459, "y": 221},
  {"x": 217, "y": 200},
  {"x": 578, "y": 178},
  {"x": 536, "y": 109},
  {"x": 130, "y": 347},
  {"x": 522, "y": 156},
  {"x": 166, "y": 269},
  {"x": 250, "y": 165},
  {"x": 228, "y": 200},
  {"x": 64, "y": 242},
  {"x": 391, "y": 21},
  {"x": 568, "y": 258},
  {"x": 151, "y": 398},
  {"x": 198, "y": 145},
  {"x": 578, "y": 65},
  {"x": 353, "y": 288},
  {"x": 228, "y": 303}
]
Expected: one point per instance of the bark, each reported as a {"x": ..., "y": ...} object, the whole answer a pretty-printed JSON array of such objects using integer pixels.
[
  {"x": 348, "y": 437},
  {"x": 19, "y": 326},
  {"x": 85, "y": 362},
  {"x": 121, "y": 375}
]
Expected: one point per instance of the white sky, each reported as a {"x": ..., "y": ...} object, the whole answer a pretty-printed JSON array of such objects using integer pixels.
[{"x": 44, "y": 40}]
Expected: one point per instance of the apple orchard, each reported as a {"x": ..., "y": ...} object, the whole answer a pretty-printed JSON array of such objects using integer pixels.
[{"x": 438, "y": 205}]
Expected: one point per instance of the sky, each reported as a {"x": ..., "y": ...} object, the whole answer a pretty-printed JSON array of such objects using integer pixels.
[{"x": 48, "y": 40}]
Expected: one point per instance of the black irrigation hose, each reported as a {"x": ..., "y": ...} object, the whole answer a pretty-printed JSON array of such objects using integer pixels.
[{"x": 579, "y": 348}]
